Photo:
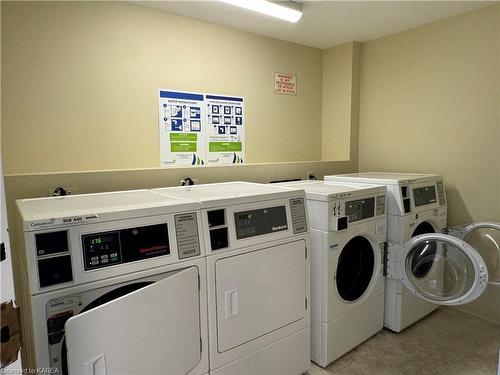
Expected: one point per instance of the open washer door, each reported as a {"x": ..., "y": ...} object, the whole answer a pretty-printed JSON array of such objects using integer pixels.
[
  {"x": 485, "y": 238},
  {"x": 152, "y": 330},
  {"x": 441, "y": 269}
]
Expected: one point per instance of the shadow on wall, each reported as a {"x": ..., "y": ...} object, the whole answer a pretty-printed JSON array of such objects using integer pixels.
[{"x": 457, "y": 208}]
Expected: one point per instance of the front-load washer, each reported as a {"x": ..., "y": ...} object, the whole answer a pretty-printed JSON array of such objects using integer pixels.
[
  {"x": 424, "y": 267},
  {"x": 348, "y": 234},
  {"x": 258, "y": 276},
  {"x": 114, "y": 283}
]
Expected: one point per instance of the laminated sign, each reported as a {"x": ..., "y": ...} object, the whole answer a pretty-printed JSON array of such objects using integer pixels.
[
  {"x": 226, "y": 131},
  {"x": 285, "y": 84},
  {"x": 181, "y": 128},
  {"x": 200, "y": 129}
]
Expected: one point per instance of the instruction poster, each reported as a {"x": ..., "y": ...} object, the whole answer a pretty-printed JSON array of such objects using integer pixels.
[
  {"x": 181, "y": 128},
  {"x": 225, "y": 130},
  {"x": 200, "y": 129}
]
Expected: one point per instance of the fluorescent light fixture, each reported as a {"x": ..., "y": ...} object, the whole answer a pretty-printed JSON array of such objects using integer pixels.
[{"x": 290, "y": 12}]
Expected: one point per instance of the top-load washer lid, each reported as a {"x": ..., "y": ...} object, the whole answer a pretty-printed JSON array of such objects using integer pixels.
[
  {"x": 49, "y": 212},
  {"x": 226, "y": 193},
  {"x": 326, "y": 190},
  {"x": 384, "y": 178}
]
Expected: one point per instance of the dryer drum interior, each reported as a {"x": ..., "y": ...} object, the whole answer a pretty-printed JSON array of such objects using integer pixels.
[
  {"x": 355, "y": 268},
  {"x": 424, "y": 255},
  {"x": 105, "y": 298}
]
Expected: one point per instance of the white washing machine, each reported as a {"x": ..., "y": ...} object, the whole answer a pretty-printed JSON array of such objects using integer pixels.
[
  {"x": 114, "y": 283},
  {"x": 258, "y": 276},
  {"x": 424, "y": 267},
  {"x": 348, "y": 234}
]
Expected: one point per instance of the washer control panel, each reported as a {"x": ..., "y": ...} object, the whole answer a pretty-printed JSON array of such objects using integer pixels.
[
  {"x": 125, "y": 245},
  {"x": 347, "y": 211}
]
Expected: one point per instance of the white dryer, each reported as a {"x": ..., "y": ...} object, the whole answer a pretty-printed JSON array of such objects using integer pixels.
[
  {"x": 114, "y": 283},
  {"x": 424, "y": 267},
  {"x": 348, "y": 234},
  {"x": 258, "y": 276}
]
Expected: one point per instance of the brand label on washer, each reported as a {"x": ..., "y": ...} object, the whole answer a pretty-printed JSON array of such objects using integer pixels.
[
  {"x": 298, "y": 211},
  {"x": 70, "y": 220},
  {"x": 186, "y": 230}
]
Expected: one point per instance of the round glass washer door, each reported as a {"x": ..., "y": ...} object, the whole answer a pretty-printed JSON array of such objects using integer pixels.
[
  {"x": 422, "y": 260},
  {"x": 485, "y": 238},
  {"x": 355, "y": 268},
  {"x": 456, "y": 273}
]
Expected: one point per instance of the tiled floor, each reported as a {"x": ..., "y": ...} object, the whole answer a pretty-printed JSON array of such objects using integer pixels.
[{"x": 447, "y": 342}]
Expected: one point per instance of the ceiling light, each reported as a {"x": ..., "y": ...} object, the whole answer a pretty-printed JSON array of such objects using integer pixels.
[{"x": 290, "y": 12}]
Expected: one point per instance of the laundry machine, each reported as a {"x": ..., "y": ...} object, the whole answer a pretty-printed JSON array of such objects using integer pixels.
[
  {"x": 424, "y": 266},
  {"x": 348, "y": 234},
  {"x": 258, "y": 276},
  {"x": 113, "y": 283}
]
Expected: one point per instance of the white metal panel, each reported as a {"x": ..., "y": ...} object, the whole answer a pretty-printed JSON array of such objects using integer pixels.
[
  {"x": 349, "y": 330},
  {"x": 328, "y": 190},
  {"x": 259, "y": 292},
  {"x": 388, "y": 178},
  {"x": 154, "y": 330},
  {"x": 80, "y": 276},
  {"x": 394, "y": 181},
  {"x": 52, "y": 212},
  {"x": 228, "y": 193},
  {"x": 274, "y": 359},
  {"x": 334, "y": 305}
]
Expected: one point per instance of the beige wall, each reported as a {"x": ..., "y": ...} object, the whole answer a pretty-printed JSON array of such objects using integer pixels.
[
  {"x": 339, "y": 137},
  {"x": 80, "y": 83},
  {"x": 80, "y": 86},
  {"x": 430, "y": 103}
]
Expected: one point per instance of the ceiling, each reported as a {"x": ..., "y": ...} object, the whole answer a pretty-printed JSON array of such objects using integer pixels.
[{"x": 324, "y": 23}]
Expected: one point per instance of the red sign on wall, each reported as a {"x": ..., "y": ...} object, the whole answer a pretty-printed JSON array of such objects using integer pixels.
[{"x": 285, "y": 84}]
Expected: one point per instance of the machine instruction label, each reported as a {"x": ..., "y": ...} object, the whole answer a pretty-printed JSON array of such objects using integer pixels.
[
  {"x": 298, "y": 211},
  {"x": 186, "y": 229}
]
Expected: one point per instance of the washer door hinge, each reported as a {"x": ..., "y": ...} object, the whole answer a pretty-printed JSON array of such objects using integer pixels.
[
  {"x": 11, "y": 333},
  {"x": 199, "y": 282},
  {"x": 306, "y": 303},
  {"x": 306, "y": 252},
  {"x": 385, "y": 259},
  {"x": 201, "y": 345}
]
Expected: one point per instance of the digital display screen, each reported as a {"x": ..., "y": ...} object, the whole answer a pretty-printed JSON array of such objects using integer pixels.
[
  {"x": 101, "y": 240},
  {"x": 360, "y": 209},
  {"x": 101, "y": 249},
  {"x": 424, "y": 195},
  {"x": 257, "y": 222}
]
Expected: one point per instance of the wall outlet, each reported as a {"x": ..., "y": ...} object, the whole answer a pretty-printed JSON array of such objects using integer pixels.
[{"x": 69, "y": 191}]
